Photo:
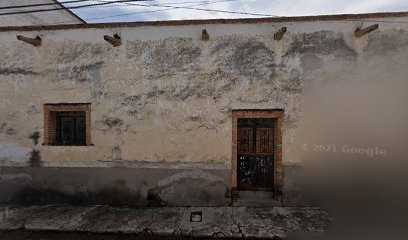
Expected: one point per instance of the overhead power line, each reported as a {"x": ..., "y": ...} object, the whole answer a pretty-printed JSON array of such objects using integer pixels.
[
  {"x": 72, "y": 7},
  {"x": 172, "y": 3},
  {"x": 166, "y": 6},
  {"x": 129, "y": 3},
  {"x": 191, "y": 7},
  {"x": 43, "y": 4},
  {"x": 201, "y": 9},
  {"x": 150, "y": 11},
  {"x": 158, "y": 10},
  {"x": 225, "y": 11}
]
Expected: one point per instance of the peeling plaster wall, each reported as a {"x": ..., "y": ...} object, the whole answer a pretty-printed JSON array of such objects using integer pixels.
[{"x": 166, "y": 96}]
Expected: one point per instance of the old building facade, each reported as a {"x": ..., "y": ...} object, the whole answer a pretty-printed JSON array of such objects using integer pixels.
[{"x": 164, "y": 114}]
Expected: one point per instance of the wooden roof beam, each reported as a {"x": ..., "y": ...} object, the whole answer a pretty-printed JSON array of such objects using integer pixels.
[
  {"x": 204, "y": 35},
  {"x": 279, "y": 34},
  {"x": 115, "y": 40},
  {"x": 359, "y": 32},
  {"x": 33, "y": 41}
]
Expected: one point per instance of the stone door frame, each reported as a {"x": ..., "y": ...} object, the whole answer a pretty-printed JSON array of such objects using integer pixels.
[{"x": 276, "y": 114}]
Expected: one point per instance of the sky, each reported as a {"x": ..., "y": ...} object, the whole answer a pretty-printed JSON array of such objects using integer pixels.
[{"x": 159, "y": 10}]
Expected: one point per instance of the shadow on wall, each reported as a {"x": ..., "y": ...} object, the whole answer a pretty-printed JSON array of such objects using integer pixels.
[
  {"x": 115, "y": 196},
  {"x": 116, "y": 187},
  {"x": 129, "y": 187}
]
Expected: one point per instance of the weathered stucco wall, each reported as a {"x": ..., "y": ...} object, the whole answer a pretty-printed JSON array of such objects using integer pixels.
[{"x": 166, "y": 96}]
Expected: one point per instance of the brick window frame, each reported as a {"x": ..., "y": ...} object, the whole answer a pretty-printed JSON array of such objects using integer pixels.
[
  {"x": 276, "y": 114},
  {"x": 50, "y": 110}
]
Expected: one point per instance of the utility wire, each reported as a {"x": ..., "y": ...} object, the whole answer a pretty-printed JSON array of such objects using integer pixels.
[
  {"x": 143, "y": 5},
  {"x": 205, "y": 9},
  {"x": 196, "y": 3},
  {"x": 150, "y": 11},
  {"x": 169, "y": 7},
  {"x": 215, "y": 10},
  {"x": 159, "y": 10},
  {"x": 349, "y": 20},
  {"x": 73, "y": 7},
  {"x": 82, "y": 1},
  {"x": 43, "y": 4},
  {"x": 175, "y": 3}
]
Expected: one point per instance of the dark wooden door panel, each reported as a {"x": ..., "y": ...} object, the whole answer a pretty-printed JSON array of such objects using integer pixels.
[
  {"x": 255, "y": 148},
  {"x": 245, "y": 140},
  {"x": 264, "y": 140}
]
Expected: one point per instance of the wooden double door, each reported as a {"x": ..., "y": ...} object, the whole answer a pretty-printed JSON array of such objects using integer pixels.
[{"x": 255, "y": 152}]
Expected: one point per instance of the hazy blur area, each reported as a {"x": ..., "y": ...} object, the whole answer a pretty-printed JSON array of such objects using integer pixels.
[{"x": 354, "y": 146}]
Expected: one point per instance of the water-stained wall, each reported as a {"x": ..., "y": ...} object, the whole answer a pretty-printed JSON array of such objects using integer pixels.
[{"x": 165, "y": 95}]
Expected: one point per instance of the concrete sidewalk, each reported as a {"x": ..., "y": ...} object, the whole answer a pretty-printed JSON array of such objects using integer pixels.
[{"x": 229, "y": 222}]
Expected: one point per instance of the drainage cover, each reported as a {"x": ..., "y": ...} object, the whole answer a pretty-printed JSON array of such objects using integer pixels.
[{"x": 196, "y": 216}]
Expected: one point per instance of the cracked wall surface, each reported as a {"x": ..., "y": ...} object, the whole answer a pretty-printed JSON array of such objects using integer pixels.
[{"x": 167, "y": 96}]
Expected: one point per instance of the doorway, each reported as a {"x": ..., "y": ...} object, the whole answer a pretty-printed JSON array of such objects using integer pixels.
[
  {"x": 256, "y": 161},
  {"x": 255, "y": 153}
]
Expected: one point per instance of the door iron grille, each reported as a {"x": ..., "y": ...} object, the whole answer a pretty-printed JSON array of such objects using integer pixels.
[{"x": 255, "y": 154}]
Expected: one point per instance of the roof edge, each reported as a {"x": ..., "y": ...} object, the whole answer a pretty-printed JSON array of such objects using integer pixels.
[
  {"x": 208, "y": 21},
  {"x": 69, "y": 11}
]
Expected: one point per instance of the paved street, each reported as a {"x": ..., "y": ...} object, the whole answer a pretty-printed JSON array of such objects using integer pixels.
[
  {"x": 27, "y": 235},
  {"x": 103, "y": 222}
]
